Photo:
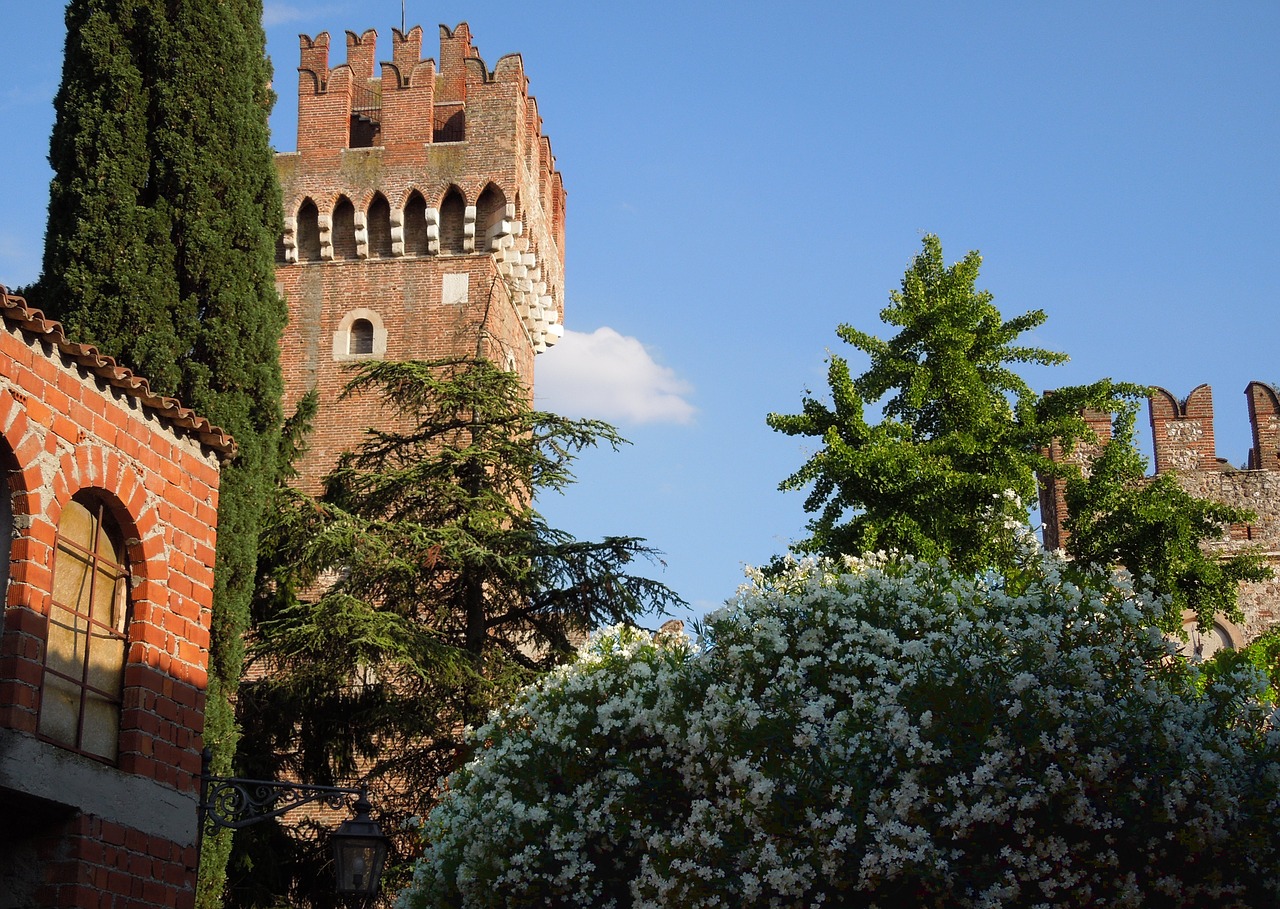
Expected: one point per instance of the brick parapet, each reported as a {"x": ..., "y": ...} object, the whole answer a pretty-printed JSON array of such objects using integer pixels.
[
  {"x": 1182, "y": 431},
  {"x": 1264, "y": 421},
  {"x": 1183, "y": 443}
]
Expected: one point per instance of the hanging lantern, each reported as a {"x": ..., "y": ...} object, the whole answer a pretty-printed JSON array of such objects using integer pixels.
[{"x": 359, "y": 851}]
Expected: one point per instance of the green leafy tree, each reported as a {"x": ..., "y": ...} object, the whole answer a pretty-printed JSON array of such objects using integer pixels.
[
  {"x": 417, "y": 594},
  {"x": 163, "y": 217},
  {"x": 1157, "y": 530},
  {"x": 948, "y": 467}
]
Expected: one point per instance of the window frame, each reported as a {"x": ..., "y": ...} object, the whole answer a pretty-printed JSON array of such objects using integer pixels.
[
  {"x": 343, "y": 336},
  {"x": 89, "y": 633}
]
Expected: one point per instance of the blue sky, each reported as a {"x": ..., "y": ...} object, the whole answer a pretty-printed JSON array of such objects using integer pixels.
[{"x": 744, "y": 176}]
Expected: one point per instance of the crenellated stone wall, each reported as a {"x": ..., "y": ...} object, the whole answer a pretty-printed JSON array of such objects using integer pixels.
[{"x": 1182, "y": 432}]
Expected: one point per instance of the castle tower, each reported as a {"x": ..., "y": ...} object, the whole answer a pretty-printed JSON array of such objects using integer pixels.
[{"x": 424, "y": 218}]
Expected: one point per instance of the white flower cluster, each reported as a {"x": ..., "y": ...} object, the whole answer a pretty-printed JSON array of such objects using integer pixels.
[{"x": 878, "y": 733}]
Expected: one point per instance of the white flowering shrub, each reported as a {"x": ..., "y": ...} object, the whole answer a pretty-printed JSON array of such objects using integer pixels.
[{"x": 881, "y": 734}]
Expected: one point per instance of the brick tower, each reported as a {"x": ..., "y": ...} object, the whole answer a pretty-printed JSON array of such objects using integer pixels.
[{"x": 424, "y": 218}]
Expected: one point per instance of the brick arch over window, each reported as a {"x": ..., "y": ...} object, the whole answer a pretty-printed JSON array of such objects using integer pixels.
[
  {"x": 415, "y": 225},
  {"x": 24, "y": 479},
  {"x": 491, "y": 208},
  {"x": 97, "y": 468},
  {"x": 344, "y": 229},
  {"x": 453, "y": 211},
  {"x": 379, "y": 221},
  {"x": 10, "y": 480},
  {"x": 308, "y": 232}
]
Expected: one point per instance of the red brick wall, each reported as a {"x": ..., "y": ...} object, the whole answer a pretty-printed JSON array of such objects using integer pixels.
[
  {"x": 92, "y": 863},
  {"x": 407, "y": 293},
  {"x": 70, "y": 429}
]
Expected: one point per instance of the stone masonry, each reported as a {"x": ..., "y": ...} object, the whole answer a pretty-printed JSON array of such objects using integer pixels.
[{"x": 1182, "y": 433}]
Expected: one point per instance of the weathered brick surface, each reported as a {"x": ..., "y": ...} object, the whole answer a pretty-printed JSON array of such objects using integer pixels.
[
  {"x": 89, "y": 863},
  {"x": 445, "y": 197},
  {"x": 1053, "y": 491},
  {"x": 1183, "y": 440},
  {"x": 63, "y": 429}
]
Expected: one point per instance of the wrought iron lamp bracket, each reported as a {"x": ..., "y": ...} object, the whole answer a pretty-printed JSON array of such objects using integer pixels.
[{"x": 234, "y": 802}]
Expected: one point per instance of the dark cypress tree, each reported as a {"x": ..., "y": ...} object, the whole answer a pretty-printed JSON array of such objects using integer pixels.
[
  {"x": 164, "y": 212},
  {"x": 109, "y": 269}
]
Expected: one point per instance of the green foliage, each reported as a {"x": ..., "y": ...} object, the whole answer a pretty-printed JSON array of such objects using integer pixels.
[
  {"x": 419, "y": 593},
  {"x": 1156, "y": 530},
  {"x": 1261, "y": 656},
  {"x": 163, "y": 216},
  {"x": 947, "y": 469},
  {"x": 880, "y": 732},
  {"x": 109, "y": 261}
]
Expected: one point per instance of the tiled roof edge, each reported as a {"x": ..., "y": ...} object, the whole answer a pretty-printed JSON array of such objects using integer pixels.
[{"x": 15, "y": 311}]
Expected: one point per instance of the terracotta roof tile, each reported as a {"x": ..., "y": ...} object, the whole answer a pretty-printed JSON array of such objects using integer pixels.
[{"x": 15, "y": 311}]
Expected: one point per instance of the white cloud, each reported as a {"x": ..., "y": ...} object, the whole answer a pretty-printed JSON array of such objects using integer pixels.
[{"x": 609, "y": 376}]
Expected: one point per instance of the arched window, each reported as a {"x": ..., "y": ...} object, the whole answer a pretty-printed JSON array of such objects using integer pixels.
[
  {"x": 415, "y": 225},
  {"x": 491, "y": 208},
  {"x": 1200, "y": 645},
  {"x": 360, "y": 341},
  {"x": 308, "y": 231},
  {"x": 452, "y": 215},
  {"x": 80, "y": 692},
  {"x": 379, "y": 227},
  {"x": 344, "y": 229},
  {"x": 360, "y": 334}
]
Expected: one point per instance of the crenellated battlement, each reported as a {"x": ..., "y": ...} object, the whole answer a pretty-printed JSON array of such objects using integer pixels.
[
  {"x": 1264, "y": 419},
  {"x": 426, "y": 130},
  {"x": 331, "y": 100},
  {"x": 1183, "y": 443},
  {"x": 424, "y": 217},
  {"x": 1182, "y": 431}
]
